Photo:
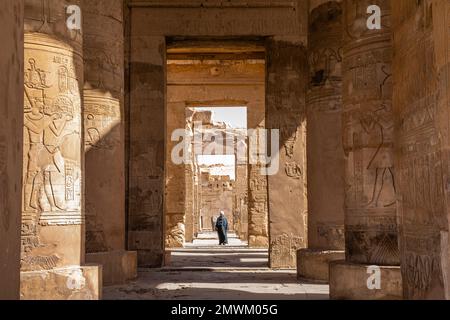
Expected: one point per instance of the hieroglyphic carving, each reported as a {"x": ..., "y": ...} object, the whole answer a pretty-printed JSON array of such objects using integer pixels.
[
  {"x": 257, "y": 208},
  {"x": 52, "y": 179},
  {"x": 334, "y": 235},
  {"x": 284, "y": 250},
  {"x": 287, "y": 75},
  {"x": 371, "y": 235},
  {"x": 52, "y": 174},
  {"x": 324, "y": 139},
  {"x": 421, "y": 105}
]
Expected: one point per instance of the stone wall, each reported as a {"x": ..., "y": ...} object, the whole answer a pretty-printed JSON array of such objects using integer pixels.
[
  {"x": 421, "y": 108},
  {"x": 11, "y": 124},
  {"x": 217, "y": 195}
]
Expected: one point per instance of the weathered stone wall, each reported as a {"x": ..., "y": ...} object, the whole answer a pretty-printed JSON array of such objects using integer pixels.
[
  {"x": 217, "y": 195},
  {"x": 421, "y": 106},
  {"x": 370, "y": 204},
  {"x": 11, "y": 101},
  {"x": 324, "y": 139},
  {"x": 286, "y": 85}
]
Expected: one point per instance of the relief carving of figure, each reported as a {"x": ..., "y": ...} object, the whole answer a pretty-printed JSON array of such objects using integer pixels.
[
  {"x": 45, "y": 122},
  {"x": 377, "y": 125}
]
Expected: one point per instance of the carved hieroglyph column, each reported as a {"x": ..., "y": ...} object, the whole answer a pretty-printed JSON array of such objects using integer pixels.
[
  {"x": 286, "y": 111},
  {"x": 189, "y": 203},
  {"x": 103, "y": 44},
  {"x": 147, "y": 132},
  {"x": 370, "y": 203},
  {"x": 53, "y": 217},
  {"x": 324, "y": 144},
  {"x": 421, "y": 107},
  {"x": 240, "y": 201},
  {"x": 257, "y": 220},
  {"x": 11, "y": 121}
]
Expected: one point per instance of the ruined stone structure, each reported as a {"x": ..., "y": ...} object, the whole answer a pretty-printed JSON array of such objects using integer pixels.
[
  {"x": 217, "y": 195},
  {"x": 88, "y": 186}
]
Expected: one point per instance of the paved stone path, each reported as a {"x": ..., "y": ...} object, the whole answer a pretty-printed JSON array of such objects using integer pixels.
[{"x": 203, "y": 270}]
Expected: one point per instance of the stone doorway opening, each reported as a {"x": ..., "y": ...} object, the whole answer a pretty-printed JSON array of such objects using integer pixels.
[{"x": 215, "y": 93}]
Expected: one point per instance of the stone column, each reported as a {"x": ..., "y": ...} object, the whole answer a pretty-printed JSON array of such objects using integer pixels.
[
  {"x": 240, "y": 201},
  {"x": 421, "y": 109},
  {"x": 370, "y": 203},
  {"x": 258, "y": 233},
  {"x": 189, "y": 203},
  {"x": 103, "y": 44},
  {"x": 324, "y": 144},
  {"x": 11, "y": 123},
  {"x": 286, "y": 111},
  {"x": 147, "y": 132},
  {"x": 53, "y": 205}
]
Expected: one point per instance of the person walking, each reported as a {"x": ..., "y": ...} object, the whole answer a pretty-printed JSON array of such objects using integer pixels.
[{"x": 222, "y": 228}]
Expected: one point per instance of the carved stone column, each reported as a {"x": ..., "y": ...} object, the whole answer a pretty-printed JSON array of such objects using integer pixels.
[
  {"x": 53, "y": 205},
  {"x": 11, "y": 123},
  {"x": 147, "y": 132},
  {"x": 370, "y": 203},
  {"x": 421, "y": 109},
  {"x": 103, "y": 45},
  {"x": 324, "y": 144},
  {"x": 240, "y": 201},
  {"x": 258, "y": 231},
  {"x": 189, "y": 203},
  {"x": 286, "y": 111}
]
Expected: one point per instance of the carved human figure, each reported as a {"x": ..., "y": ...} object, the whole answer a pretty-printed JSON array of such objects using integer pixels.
[
  {"x": 378, "y": 125},
  {"x": 45, "y": 125}
]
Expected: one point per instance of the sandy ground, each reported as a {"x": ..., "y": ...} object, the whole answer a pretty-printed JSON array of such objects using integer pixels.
[{"x": 205, "y": 271}]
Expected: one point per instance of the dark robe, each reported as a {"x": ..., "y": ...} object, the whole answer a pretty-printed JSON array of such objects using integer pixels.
[{"x": 222, "y": 229}]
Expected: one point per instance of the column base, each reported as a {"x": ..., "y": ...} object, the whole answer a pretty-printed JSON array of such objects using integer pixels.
[
  {"x": 69, "y": 283},
  {"x": 118, "y": 266},
  {"x": 348, "y": 281},
  {"x": 315, "y": 264}
]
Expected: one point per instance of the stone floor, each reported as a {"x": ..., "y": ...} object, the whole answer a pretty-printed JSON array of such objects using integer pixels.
[{"x": 204, "y": 271}]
